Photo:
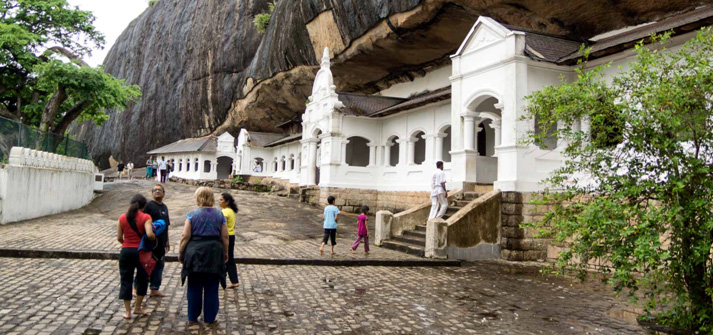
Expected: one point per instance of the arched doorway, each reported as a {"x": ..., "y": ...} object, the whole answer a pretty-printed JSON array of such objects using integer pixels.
[
  {"x": 393, "y": 157},
  {"x": 225, "y": 167}
]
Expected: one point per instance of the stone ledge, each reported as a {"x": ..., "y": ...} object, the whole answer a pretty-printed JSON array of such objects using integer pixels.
[{"x": 111, "y": 255}]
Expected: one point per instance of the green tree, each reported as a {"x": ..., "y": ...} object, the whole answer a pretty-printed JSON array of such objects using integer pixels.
[
  {"x": 636, "y": 190},
  {"x": 43, "y": 80}
]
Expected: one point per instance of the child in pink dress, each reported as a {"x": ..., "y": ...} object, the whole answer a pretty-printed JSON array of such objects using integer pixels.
[{"x": 362, "y": 231}]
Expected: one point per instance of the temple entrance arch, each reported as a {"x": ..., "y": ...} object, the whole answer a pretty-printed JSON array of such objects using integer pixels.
[
  {"x": 225, "y": 167},
  {"x": 481, "y": 138}
]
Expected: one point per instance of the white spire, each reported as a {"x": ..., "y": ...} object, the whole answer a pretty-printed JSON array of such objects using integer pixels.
[{"x": 325, "y": 58}]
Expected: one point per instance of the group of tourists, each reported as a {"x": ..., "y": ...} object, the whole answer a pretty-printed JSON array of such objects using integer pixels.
[
  {"x": 157, "y": 168},
  {"x": 205, "y": 250},
  {"x": 207, "y": 245}
]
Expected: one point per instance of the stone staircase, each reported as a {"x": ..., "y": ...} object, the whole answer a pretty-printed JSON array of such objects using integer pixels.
[{"x": 413, "y": 241}]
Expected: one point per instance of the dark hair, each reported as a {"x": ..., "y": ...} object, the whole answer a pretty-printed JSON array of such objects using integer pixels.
[
  {"x": 330, "y": 200},
  {"x": 231, "y": 202},
  {"x": 137, "y": 202},
  {"x": 439, "y": 164},
  {"x": 364, "y": 209}
]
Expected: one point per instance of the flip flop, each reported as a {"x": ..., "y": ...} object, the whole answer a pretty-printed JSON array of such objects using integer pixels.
[
  {"x": 143, "y": 313},
  {"x": 126, "y": 317}
]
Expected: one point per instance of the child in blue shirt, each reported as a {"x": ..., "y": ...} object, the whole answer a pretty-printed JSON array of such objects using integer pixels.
[{"x": 330, "y": 224}]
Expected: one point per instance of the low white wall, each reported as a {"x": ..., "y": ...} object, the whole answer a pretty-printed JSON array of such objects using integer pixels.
[{"x": 37, "y": 183}]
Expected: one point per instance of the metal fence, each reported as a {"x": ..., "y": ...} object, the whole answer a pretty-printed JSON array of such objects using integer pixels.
[{"x": 16, "y": 134}]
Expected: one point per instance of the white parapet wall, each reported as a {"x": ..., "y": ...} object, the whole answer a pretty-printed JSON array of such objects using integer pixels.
[{"x": 37, "y": 183}]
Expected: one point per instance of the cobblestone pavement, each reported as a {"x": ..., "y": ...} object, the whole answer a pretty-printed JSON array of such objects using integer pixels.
[
  {"x": 267, "y": 226},
  {"x": 57, "y": 297}
]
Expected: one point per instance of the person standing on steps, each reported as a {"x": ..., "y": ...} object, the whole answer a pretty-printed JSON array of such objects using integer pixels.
[
  {"x": 158, "y": 211},
  {"x": 163, "y": 168},
  {"x": 439, "y": 199}
]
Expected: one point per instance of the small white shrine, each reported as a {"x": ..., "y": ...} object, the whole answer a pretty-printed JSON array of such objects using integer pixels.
[{"x": 208, "y": 157}]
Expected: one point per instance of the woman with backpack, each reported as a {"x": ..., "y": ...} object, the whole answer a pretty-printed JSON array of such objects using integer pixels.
[{"x": 131, "y": 227}]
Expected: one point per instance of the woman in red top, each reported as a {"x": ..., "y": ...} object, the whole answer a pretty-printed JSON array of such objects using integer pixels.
[{"x": 132, "y": 226}]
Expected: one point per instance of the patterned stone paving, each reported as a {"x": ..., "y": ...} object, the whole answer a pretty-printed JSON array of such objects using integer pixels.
[
  {"x": 57, "y": 297},
  {"x": 268, "y": 226}
]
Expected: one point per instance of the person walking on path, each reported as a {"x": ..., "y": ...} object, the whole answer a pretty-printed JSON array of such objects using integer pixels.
[
  {"x": 163, "y": 169},
  {"x": 120, "y": 169},
  {"x": 362, "y": 231},
  {"x": 149, "y": 170},
  {"x": 154, "y": 168},
  {"x": 229, "y": 209},
  {"x": 330, "y": 224},
  {"x": 130, "y": 170},
  {"x": 439, "y": 200},
  {"x": 203, "y": 252},
  {"x": 131, "y": 227},
  {"x": 158, "y": 211}
]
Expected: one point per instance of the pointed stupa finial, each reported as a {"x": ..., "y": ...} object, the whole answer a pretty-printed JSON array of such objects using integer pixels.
[{"x": 325, "y": 58}]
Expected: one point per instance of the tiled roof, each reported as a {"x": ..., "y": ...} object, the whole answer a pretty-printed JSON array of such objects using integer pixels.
[
  {"x": 258, "y": 139},
  {"x": 417, "y": 101},
  {"x": 285, "y": 140},
  {"x": 365, "y": 105},
  {"x": 203, "y": 144},
  {"x": 680, "y": 23}
]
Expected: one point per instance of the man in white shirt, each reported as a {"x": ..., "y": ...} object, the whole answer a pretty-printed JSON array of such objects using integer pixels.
[
  {"x": 439, "y": 201},
  {"x": 163, "y": 169},
  {"x": 257, "y": 168}
]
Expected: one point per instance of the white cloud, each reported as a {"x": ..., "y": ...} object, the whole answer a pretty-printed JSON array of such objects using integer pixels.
[{"x": 112, "y": 17}]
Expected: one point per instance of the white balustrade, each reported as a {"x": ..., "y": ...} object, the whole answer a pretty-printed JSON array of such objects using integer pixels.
[{"x": 33, "y": 158}]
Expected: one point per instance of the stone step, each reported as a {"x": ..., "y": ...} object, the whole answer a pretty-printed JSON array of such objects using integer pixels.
[
  {"x": 416, "y": 234},
  {"x": 461, "y": 203},
  {"x": 421, "y": 228},
  {"x": 453, "y": 210},
  {"x": 404, "y": 247},
  {"x": 411, "y": 240},
  {"x": 470, "y": 196}
]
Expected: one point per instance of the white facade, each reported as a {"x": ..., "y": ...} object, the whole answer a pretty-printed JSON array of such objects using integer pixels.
[
  {"x": 478, "y": 132},
  {"x": 218, "y": 164}
]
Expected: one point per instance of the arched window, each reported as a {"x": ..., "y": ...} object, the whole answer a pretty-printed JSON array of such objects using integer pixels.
[
  {"x": 446, "y": 145},
  {"x": 274, "y": 165},
  {"x": 188, "y": 165},
  {"x": 283, "y": 163},
  {"x": 357, "y": 151},
  {"x": 206, "y": 166},
  {"x": 419, "y": 148},
  {"x": 292, "y": 162},
  {"x": 196, "y": 165},
  {"x": 394, "y": 151}
]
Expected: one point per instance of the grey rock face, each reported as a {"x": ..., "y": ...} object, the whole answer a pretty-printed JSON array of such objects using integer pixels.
[{"x": 204, "y": 69}]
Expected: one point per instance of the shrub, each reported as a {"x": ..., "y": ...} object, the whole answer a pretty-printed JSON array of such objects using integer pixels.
[
  {"x": 262, "y": 20},
  {"x": 641, "y": 198}
]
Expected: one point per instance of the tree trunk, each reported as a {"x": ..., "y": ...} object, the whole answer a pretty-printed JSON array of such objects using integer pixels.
[
  {"x": 69, "y": 117},
  {"x": 52, "y": 107}
]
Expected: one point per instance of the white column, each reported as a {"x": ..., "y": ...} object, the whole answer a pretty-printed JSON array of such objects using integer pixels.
[
  {"x": 430, "y": 150},
  {"x": 298, "y": 163},
  {"x": 312, "y": 162},
  {"x": 344, "y": 151},
  {"x": 496, "y": 125},
  {"x": 411, "y": 149},
  {"x": 469, "y": 132},
  {"x": 387, "y": 154},
  {"x": 372, "y": 154},
  {"x": 439, "y": 146},
  {"x": 403, "y": 148},
  {"x": 475, "y": 138}
]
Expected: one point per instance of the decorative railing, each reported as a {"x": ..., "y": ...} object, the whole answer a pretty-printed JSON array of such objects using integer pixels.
[{"x": 41, "y": 159}]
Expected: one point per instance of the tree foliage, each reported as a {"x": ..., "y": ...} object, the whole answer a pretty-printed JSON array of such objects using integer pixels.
[
  {"x": 635, "y": 193},
  {"x": 43, "y": 80},
  {"x": 262, "y": 20}
]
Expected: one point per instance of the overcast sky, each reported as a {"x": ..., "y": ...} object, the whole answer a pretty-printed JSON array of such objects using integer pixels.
[{"x": 112, "y": 17}]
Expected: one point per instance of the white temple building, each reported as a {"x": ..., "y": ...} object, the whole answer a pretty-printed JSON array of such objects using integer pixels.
[
  {"x": 466, "y": 114},
  {"x": 208, "y": 157}
]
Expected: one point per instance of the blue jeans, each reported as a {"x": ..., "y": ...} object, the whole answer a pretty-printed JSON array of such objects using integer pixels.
[
  {"x": 156, "y": 275},
  {"x": 203, "y": 294}
]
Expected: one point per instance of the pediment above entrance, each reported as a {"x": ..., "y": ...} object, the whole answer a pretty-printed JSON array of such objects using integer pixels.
[{"x": 485, "y": 31}]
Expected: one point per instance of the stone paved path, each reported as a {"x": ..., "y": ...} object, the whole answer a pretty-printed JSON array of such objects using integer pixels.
[
  {"x": 267, "y": 227},
  {"x": 67, "y": 296},
  {"x": 56, "y": 297}
]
